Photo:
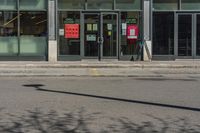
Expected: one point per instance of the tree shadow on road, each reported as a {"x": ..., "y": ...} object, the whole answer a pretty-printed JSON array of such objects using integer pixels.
[
  {"x": 80, "y": 121},
  {"x": 166, "y": 125},
  {"x": 48, "y": 122}
]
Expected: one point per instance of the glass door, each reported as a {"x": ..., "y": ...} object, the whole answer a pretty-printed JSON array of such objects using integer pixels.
[
  {"x": 185, "y": 35},
  {"x": 100, "y": 35},
  {"x": 91, "y": 35},
  {"x": 110, "y": 35},
  {"x": 188, "y": 34}
]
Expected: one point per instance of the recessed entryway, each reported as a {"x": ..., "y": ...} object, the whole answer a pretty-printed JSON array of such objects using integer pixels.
[
  {"x": 100, "y": 35},
  {"x": 188, "y": 35}
]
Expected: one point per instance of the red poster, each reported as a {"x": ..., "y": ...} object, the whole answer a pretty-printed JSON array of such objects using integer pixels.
[
  {"x": 132, "y": 32},
  {"x": 71, "y": 31}
]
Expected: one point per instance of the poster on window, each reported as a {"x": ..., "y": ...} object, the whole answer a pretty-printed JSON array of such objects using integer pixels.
[
  {"x": 89, "y": 27},
  {"x": 132, "y": 32},
  {"x": 124, "y": 27},
  {"x": 72, "y": 31},
  {"x": 91, "y": 37},
  {"x": 61, "y": 32},
  {"x": 94, "y": 27}
]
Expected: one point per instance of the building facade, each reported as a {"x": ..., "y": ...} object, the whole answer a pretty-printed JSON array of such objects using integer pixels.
[
  {"x": 176, "y": 29},
  {"x": 64, "y": 30},
  {"x": 23, "y": 30}
]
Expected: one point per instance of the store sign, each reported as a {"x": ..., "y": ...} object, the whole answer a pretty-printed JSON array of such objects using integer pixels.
[
  {"x": 72, "y": 31},
  {"x": 69, "y": 21},
  {"x": 131, "y": 20}
]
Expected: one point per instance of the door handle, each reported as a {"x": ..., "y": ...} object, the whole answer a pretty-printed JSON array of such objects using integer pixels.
[{"x": 98, "y": 40}]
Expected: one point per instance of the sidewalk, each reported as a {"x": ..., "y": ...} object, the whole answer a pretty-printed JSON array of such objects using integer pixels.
[
  {"x": 103, "y": 68},
  {"x": 102, "y": 64}
]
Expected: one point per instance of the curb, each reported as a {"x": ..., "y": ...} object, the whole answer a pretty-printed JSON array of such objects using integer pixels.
[
  {"x": 99, "y": 66},
  {"x": 51, "y": 75}
]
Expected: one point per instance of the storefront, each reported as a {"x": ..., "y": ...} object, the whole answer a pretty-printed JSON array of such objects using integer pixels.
[
  {"x": 176, "y": 29},
  {"x": 98, "y": 29},
  {"x": 53, "y": 30},
  {"x": 23, "y": 30},
  {"x": 62, "y": 30}
]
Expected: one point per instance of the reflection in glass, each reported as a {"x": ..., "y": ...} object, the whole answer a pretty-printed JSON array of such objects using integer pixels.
[
  {"x": 8, "y": 33},
  {"x": 165, "y": 4},
  {"x": 184, "y": 35},
  {"x": 32, "y": 45},
  {"x": 190, "y": 4},
  {"x": 32, "y": 4},
  {"x": 128, "y": 4},
  {"x": 33, "y": 32},
  {"x": 68, "y": 46},
  {"x": 163, "y": 33},
  {"x": 71, "y": 4},
  {"x": 100, "y": 4},
  {"x": 8, "y": 4},
  {"x": 198, "y": 36}
]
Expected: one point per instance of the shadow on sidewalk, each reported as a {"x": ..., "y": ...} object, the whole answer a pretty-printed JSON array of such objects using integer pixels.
[{"x": 38, "y": 88}]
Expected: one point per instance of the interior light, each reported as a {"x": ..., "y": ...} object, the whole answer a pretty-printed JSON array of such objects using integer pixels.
[
  {"x": 33, "y": 17},
  {"x": 41, "y": 22},
  {"x": 11, "y": 20}
]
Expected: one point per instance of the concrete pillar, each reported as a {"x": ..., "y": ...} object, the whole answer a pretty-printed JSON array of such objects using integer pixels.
[
  {"x": 52, "y": 44},
  {"x": 147, "y": 49},
  {"x": 52, "y": 51}
]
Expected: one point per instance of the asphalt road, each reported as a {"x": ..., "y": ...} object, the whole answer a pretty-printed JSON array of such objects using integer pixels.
[{"x": 99, "y": 105}]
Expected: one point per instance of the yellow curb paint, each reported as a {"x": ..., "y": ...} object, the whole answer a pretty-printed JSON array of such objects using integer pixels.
[{"x": 94, "y": 72}]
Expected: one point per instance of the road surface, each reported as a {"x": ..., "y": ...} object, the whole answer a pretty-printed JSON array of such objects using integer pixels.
[{"x": 100, "y": 104}]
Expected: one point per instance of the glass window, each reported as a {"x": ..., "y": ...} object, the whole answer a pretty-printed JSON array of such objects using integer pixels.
[
  {"x": 100, "y": 4},
  {"x": 128, "y": 4},
  {"x": 163, "y": 33},
  {"x": 165, "y": 4},
  {"x": 128, "y": 47},
  {"x": 71, "y": 4},
  {"x": 8, "y": 4},
  {"x": 8, "y": 33},
  {"x": 190, "y": 5},
  {"x": 68, "y": 45},
  {"x": 198, "y": 36},
  {"x": 32, "y": 4},
  {"x": 184, "y": 35},
  {"x": 33, "y": 32}
]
